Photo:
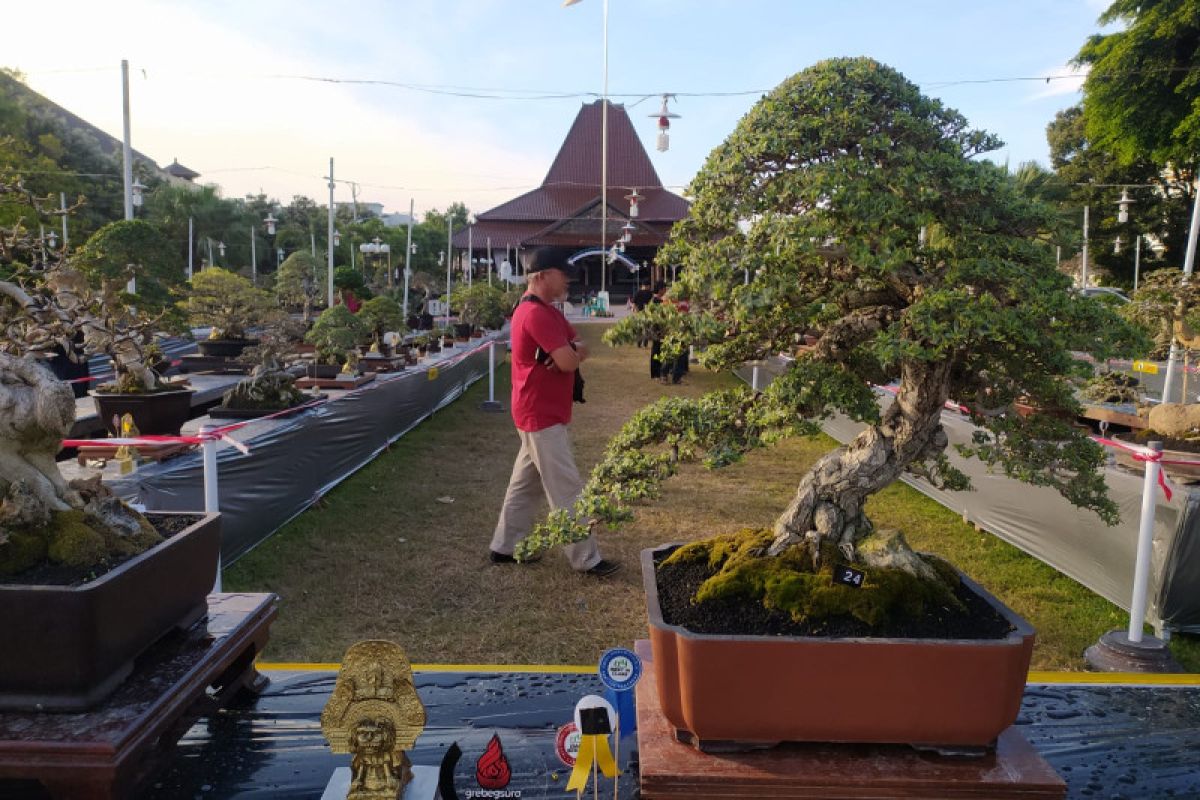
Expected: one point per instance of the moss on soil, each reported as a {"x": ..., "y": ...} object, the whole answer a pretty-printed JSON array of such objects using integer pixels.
[{"x": 789, "y": 583}]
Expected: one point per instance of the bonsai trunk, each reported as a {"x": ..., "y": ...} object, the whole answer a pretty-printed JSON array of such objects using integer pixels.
[{"x": 828, "y": 505}]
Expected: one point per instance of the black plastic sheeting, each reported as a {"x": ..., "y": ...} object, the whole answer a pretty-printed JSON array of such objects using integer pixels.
[
  {"x": 1110, "y": 742},
  {"x": 1076, "y": 542},
  {"x": 294, "y": 460}
]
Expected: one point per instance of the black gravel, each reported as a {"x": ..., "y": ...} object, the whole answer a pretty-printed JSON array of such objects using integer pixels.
[{"x": 677, "y": 585}]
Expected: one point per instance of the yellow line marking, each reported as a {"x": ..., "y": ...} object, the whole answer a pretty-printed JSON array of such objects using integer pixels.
[
  {"x": 1035, "y": 676},
  {"x": 568, "y": 669},
  {"x": 1115, "y": 678}
]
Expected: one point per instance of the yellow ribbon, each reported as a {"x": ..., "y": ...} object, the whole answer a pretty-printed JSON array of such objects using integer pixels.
[{"x": 591, "y": 748}]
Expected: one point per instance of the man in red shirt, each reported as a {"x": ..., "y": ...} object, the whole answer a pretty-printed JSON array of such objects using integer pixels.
[{"x": 545, "y": 355}]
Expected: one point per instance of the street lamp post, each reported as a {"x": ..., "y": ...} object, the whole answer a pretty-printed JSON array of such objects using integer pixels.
[
  {"x": 410, "y": 250},
  {"x": 1189, "y": 260},
  {"x": 603, "y": 164}
]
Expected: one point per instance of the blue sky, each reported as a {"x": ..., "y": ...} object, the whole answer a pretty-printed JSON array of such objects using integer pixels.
[{"x": 208, "y": 85}]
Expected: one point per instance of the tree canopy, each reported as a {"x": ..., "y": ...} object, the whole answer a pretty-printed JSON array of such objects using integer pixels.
[{"x": 1141, "y": 97}]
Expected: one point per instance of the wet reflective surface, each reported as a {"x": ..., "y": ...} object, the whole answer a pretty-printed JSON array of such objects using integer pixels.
[{"x": 1106, "y": 742}]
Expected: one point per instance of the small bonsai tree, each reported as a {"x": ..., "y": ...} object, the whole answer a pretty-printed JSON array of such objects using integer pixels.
[
  {"x": 300, "y": 281},
  {"x": 860, "y": 211},
  {"x": 269, "y": 384},
  {"x": 336, "y": 334},
  {"x": 227, "y": 302},
  {"x": 479, "y": 305},
  {"x": 380, "y": 315}
]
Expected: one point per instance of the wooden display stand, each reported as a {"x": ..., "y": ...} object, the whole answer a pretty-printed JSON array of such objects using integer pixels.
[
  {"x": 107, "y": 751},
  {"x": 671, "y": 769},
  {"x": 145, "y": 452}
]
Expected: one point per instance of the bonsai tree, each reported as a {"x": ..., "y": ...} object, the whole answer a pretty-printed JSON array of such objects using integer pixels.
[
  {"x": 479, "y": 305},
  {"x": 300, "y": 281},
  {"x": 380, "y": 315},
  {"x": 336, "y": 334},
  {"x": 269, "y": 385},
  {"x": 43, "y": 518},
  {"x": 860, "y": 211},
  {"x": 1159, "y": 301},
  {"x": 227, "y": 302}
]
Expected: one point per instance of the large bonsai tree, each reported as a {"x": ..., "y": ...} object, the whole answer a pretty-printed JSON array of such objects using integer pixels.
[
  {"x": 300, "y": 281},
  {"x": 858, "y": 211}
]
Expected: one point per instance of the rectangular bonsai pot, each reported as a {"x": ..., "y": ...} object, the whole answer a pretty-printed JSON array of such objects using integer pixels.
[
  {"x": 67, "y": 648},
  {"x": 769, "y": 689}
]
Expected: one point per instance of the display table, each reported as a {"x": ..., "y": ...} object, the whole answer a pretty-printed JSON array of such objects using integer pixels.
[{"x": 108, "y": 751}]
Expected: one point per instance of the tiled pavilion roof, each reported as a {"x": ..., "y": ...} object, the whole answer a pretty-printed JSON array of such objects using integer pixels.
[{"x": 565, "y": 209}]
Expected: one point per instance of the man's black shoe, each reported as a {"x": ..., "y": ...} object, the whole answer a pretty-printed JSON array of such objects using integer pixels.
[
  {"x": 603, "y": 569},
  {"x": 505, "y": 558}
]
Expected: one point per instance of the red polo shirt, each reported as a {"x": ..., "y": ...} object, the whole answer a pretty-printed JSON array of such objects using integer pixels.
[{"x": 541, "y": 396}]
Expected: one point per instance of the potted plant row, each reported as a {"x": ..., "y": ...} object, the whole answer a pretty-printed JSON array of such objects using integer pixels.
[{"x": 905, "y": 258}]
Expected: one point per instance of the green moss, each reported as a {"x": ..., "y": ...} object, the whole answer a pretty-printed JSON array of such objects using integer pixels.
[
  {"x": 23, "y": 550},
  {"x": 789, "y": 583},
  {"x": 73, "y": 542}
]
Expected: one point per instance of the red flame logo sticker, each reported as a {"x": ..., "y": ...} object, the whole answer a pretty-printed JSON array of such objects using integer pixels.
[{"x": 492, "y": 770}]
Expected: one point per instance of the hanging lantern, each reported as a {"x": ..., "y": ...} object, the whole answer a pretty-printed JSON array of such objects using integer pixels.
[
  {"x": 634, "y": 198},
  {"x": 627, "y": 232},
  {"x": 270, "y": 221},
  {"x": 337, "y": 237},
  {"x": 221, "y": 248},
  {"x": 136, "y": 191},
  {"x": 1117, "y": 246},
  {"x": 1123, "y": 206},
  {"x": 665, "y": 115}
]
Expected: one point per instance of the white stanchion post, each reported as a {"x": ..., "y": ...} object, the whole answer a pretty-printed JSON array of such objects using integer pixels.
[
  {"x": 212, "y": 504},
  {"x": 1141, "y": 569},
  {"x": 754, "y": 379},
  {"x": 490, "y": 404}
]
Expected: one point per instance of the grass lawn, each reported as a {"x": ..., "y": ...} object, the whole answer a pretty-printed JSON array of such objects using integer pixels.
[{"x": 399, "y": 551}]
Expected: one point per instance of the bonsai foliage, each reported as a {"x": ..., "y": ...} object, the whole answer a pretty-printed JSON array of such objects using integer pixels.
[
  {"x": 301, "y": 281},
  {"x": 379, "y": 315},
  {"x": 858, "y": 208},
  {"x": 226, "y": 301},
  {"x": 479, "y": 305},
  {"x": 336, "y": 334}
]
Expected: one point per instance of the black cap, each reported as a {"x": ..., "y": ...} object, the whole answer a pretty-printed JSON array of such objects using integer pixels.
[{"x": 548, "y": 257}]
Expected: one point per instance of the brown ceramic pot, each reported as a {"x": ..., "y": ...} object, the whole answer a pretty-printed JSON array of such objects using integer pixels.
[
  {"x": 768, "y": 689},
  {"x": 69, "y": 647}
]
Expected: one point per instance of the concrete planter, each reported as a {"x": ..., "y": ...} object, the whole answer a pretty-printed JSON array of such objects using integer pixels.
[
  {"x": 716, "y": 690},
  {"x": 68, "y": 647}
]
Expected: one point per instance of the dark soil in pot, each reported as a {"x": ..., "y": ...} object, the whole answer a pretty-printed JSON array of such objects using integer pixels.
[
  {"x": 47, "y": 574},
  {"x": 678, "y": 582}
]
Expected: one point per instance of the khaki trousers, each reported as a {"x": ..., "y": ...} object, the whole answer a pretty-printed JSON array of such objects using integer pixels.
[{"x": 545, "y": 463}]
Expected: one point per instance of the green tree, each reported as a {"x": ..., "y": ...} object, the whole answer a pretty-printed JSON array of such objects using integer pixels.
[
  {"x": 132, "y": 250},
  {"x": 336, "y": 334},
  {"x": 1141, "y": 98},
  {"x": 822, "y": 193}
]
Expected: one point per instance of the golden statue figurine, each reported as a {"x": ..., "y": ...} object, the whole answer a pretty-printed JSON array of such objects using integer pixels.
[{"x": 375, "y": 715}]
